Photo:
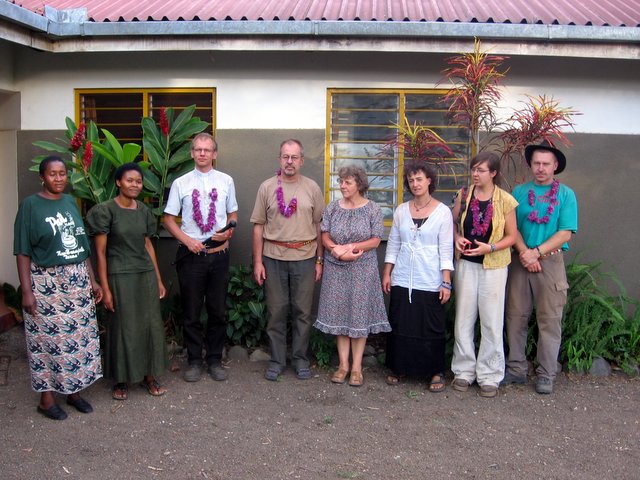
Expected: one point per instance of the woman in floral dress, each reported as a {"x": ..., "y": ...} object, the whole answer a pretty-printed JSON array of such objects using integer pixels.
[{"x": 351, "y": 301}]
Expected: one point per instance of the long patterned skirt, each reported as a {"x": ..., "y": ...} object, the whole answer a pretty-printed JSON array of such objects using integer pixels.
[{"x": 63, "y": 344}]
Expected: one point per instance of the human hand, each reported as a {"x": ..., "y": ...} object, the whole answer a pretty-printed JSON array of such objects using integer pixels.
[
  {"x": 339, "y": 250},
  {"x": 162, "y": 290},
  {"x": 259, "y": 273},
  {"x": 107, "y": 300},
  {"x": 97, "y": 292},
  {"x": 445, "y": 295},
  {"x": 194, "y": 246},
  {"x": 29, "y": 303},
  {"x": 481, "y": 248},
  {"x": 351, "y": 255},
  {"x": 528, "y": 257},
  {"x": 462, "y": 244},
  {"x": 386, "y": 283},
  {"x": 535, "y": 267},
  {"x": 319, "y": 269}
]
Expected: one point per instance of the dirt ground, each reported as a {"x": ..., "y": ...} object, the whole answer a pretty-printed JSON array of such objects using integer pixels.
[{"x": 249, "y": 428}]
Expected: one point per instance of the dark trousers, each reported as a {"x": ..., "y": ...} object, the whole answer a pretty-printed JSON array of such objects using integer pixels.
[{"x": 203, "y": 280}]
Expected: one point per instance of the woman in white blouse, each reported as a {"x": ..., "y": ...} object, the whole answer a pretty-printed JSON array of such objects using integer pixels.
[{"x": 417, "y": 273}]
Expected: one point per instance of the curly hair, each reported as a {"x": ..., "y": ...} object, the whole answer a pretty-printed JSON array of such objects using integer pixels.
[
  {"x": 358, "y": 174},
  {"x": 416, "y": 166}
]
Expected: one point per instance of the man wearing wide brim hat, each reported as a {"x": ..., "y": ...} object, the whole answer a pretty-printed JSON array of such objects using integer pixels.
[{"x": 547, "y": 216}]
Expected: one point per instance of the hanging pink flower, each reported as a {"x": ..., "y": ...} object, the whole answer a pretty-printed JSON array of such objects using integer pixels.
[
  {"x": 78, "y": 138},
  {"x": 164, "y": 122},
  {"x": 87, "y": 156}
]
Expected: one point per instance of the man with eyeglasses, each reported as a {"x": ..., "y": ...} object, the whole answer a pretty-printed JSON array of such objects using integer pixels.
[
  {"x": 547, "y": 216},
  {"x": 287, "y": 256},
  {"x": 207, "y": 199}
]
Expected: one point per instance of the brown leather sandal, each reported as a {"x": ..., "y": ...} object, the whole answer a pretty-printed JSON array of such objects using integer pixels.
[{"x": 340, "y": 376}]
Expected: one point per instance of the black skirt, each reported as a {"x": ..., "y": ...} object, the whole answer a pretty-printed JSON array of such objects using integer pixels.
[{"x": 417, "y": 340}]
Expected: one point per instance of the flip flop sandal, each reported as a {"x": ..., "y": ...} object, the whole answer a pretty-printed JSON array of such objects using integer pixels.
[
  {"x": 120, "y": 391},
  {"x": 436, "y": 385}
]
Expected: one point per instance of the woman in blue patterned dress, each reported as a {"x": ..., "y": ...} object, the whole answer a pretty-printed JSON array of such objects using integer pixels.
[
  {"x": 351, "y": 301},
  {"x": 58, "y": 289}
]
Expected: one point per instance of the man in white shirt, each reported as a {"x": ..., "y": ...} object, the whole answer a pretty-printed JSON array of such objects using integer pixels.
[{"x": 207, "y": 199}]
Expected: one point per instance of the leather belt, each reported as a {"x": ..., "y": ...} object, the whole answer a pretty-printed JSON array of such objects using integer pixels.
[
  {"x": 294, "y": 245},
  {"x": 211, "y": 251}
]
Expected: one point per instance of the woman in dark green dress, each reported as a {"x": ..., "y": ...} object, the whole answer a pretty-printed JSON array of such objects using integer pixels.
[{"x": 135, "y": 347}]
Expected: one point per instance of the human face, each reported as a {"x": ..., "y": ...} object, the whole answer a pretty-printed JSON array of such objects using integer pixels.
[
  {"x": 203, "y": 153},
  {"x": 130, "y": 184},
  {"x": 419, "y": 184},
  {"x": 481, "y": 175},
  {"x": 291, "y": 159},
  {"x": 349, "y": 188},
  {"x": 54, "y": 178},
  {"x": 543, "y": 166}
]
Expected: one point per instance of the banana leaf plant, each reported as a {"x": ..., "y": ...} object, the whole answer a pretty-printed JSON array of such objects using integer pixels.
[
  {"x": 167, "y": 146},
  {"x": 90, "y": 161}
]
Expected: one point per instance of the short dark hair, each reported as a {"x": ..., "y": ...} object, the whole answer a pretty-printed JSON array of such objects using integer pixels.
[
  {"x": 358, "y": 174},
  {"x": 127, "y": 167},
  {"x": 47, "y": 160},
  {"x": 492, "y": 160},
  {"x": 415, "y": 166}
]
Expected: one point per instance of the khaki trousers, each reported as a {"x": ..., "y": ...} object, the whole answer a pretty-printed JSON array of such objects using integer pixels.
[{"x": 547, "y": 291}]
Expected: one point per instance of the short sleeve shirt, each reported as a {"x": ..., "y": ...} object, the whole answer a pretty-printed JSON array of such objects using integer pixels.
[
  {"x": 181, "y": 200},
  {"x": 300, "y": 227},
  {"x": 127, "y": 230},
  {"x": 564, "y": 216},
  {"x": 50, "y": 232}
]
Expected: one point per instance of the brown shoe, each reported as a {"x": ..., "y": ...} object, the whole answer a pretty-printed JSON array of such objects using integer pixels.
[
  {"x": 356, "y": 379},
  {"x": 460, "y": 385},
  {"x": 340, "y": 376},
  {"x": 488, "y": 391}
]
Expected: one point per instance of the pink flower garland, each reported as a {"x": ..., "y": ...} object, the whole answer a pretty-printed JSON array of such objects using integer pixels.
[
  {"x": 480, "y": 228},
  {"x": 290, "y": 209},
  {"x": 197, "y": 214},
  {"x": 552, "y": 195}
]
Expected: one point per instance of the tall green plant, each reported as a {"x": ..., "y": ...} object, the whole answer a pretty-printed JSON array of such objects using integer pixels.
[
  {"x": 167, "y": 147},
  {"x": 476, "y": 79},
  {"x": 90, "y": 161},
  {"x": 598, "y": 323},
  {"x": 246, "y": 308}
]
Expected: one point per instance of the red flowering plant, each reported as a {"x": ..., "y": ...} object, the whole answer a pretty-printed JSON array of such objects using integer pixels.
[
  {"x": 418, "y": 142},
  {"x": 167, "y": 148},
  {"x": 473, "y": 102},
  {"x": 92, "y": 162}
]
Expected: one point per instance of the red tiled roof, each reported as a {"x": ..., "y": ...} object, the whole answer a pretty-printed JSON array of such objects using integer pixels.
[{"x": 561, "y": 12}]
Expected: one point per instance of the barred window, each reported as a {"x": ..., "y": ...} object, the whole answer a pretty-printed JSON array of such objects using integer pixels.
[{"x": 360, "y": 124}]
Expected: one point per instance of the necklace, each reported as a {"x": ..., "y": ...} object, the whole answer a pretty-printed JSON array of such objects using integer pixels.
[
  {"x": 286, "y": 210},
  {"x": 481, "y": 221},
  {"x": 415, "y": 205},
  {"x": 551, "y": 198},
  {"x": 197, "y": 214}
]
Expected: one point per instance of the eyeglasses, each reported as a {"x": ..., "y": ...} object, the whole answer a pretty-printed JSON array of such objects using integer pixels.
[
  {"x": 293, "y": 158},
  {"x": 479, "y": 170},
  {"x": 202, "y": 150}
]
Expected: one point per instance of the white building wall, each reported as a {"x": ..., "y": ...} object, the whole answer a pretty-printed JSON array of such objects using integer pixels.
[{"x": 266, "y": 91}]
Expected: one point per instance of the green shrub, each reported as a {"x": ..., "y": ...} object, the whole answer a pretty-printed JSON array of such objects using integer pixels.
[
  {"x": 597, "y": 322},
  {"x": 246, "y": 309},
  {"x": 322, "y": 345}
]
